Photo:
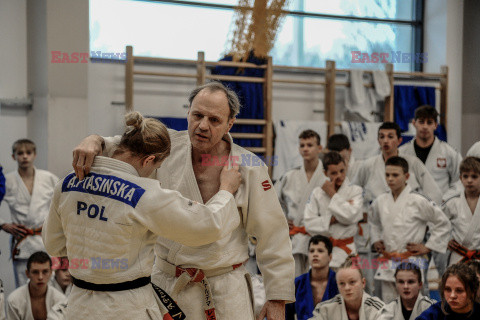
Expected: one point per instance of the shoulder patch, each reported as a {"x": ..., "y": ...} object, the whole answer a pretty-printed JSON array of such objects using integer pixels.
[
  {"x": 337, "y": 300},
  {"x": 373, "y": 302}
]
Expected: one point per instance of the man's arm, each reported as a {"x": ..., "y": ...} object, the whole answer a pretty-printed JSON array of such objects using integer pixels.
[
  {"x": 347, "y": 210},
  {"x": 266, "y": 222},
  {"x": 440, "y": 226},
  {"x": 315, "y": 222}
]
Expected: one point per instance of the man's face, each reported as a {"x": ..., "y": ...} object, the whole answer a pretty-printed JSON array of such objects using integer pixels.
[
  {"x": 309, "y": 148},
  {"x": 388, "y": 140},
  {"x": 337, "y": 173},
  {"x": 396, "y": 178},
  {"x": 350, "y": 284},
  {"x": 63, "y": 277},
  {"x": 24, "y": 155},
  {"x": 425, "y": 128},
  {"x": 208, "y": 119},
  {"x": 318, "y": 256},
  {"x": 39, "y": 274},
  {"x": 407, "y": 285},
  {"x": 471, "y": 182}
]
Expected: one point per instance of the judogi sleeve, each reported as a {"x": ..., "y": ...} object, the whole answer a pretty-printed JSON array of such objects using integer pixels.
[
  {"x": 315, "y": 222},
  {"x": 439, "y": 225},
  {"x": 266, "y": 222},
  {"x": 374, "y": 222},
  {"x": 170, "y": 215},
  {"x": 52, "y": 233},
  {"x": 347, "y": 210},
  {"x": 279, "y": 185},
  {"x": 426, "y": 181}
]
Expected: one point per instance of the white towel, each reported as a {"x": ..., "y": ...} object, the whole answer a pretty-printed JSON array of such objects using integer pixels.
[
  {"x": 381, "y": 83},
  {"x": 363, "y": 138},
  {"x": 286, "y": 142},
  {"x": 357, "y": 90},
  {"x": 365, "y": 111}
]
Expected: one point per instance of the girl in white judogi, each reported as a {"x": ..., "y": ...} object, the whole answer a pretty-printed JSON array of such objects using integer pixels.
[
  {"x": 352, "y": 302},
  {"x": 293, "y": 190},
  {"x": 398, "y": 221},
  {"x": 335, "y": 209},
  {"x": 464, "y": 212},
  {"x": 28, "y": 194},
  {"x": 410, "y": 303},
  {"x": 112, "y": 218}
]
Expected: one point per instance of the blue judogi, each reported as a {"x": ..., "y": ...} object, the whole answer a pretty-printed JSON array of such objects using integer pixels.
[{"x": 304, "y": 305}]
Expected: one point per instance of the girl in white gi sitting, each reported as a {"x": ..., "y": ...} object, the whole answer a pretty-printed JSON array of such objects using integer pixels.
[
  {"x": 353, "y": 303},
  {"x": 458, "y": 288},
  {"x": 410, "y": 303},
  {"x": 108, "y": 223}
]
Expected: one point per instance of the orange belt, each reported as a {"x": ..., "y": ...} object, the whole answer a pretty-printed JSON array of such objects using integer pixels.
[
  {"x": 342, "y": 244},
  {"x": 466, "y": 253},
  {"x": 395, "y": 255},
  {"x": 294, "y": 230},
  {"x": 360, "y": 229},
  {"x": 29, "y": 232}
]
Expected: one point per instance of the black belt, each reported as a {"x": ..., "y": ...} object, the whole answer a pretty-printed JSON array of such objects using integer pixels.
[{"x": 128, "y": 285}]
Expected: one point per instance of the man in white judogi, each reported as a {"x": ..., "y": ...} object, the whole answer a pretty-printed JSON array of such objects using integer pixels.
[
  {"x": 335, "y": 209},
  {"x": 28, "y": 195},
  {"x": 441, "y": 160},
  {"x": 191, "y": 169},
  {"x": 371, "y": 174},
  {"x": 293, "y": 190},
  {"x": 398, "y": 222},
  {"x": 410, "y": 303},
  {"x": 35, "y": 299},
  {"x": 463, "y": 211}
]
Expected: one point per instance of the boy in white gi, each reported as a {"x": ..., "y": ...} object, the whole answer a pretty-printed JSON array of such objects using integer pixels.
[
  {"x": 340, "y": 143},
  {"x": 212, "y": 112},
  {"x": 463, "y": 210},
  {"x": 352, "y": 302},
  {"x": 398, "y": 222},
  {"x": 335, "y": 209},
  {"x": 293, "y": 190},
  {"x": 28, "y": 195},
  {"x": 410, "y": 303},
  {"x": 107, "y": 225},
  {"x": 441, "y": 160},
  {"x": 371, "y": 174},
  {"x": 61, "y": 280},
  {"x": 34, "y": 299}
]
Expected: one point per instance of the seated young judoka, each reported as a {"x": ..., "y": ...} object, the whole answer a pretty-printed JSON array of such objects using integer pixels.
[
  {"x": 410, "y": 303},
  {"x": 35, "y": 299},
  {"x": 398, "y": 221},
  {"x": 335, "y": 209},
  {"x": 463, "y": 209},
  {"x": 293, "y": 190},
  {"x": 315, "y": 286},
  {"x": 352, "y": 302},
  {"x": 109, "y": 222}
]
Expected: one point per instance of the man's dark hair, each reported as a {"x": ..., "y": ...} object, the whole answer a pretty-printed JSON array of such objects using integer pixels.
[
  {"x": 391, "y": 125},
  {"x": 319, "y": 238},
  {"x": 397, "y": 162},
  {"x": 38, "y": 257},
  {"x": 426, "y": 112},
  {"x": 332, "y": 158},
  {"x": 338, "y": 142},
  {"x": 306, "y": 134},
  {"x": 409, "y": 266}
]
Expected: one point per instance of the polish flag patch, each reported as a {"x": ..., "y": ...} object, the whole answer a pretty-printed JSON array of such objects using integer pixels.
[
  {"x": 441, "y": 162},
  {"x": 266, "y": 185}
]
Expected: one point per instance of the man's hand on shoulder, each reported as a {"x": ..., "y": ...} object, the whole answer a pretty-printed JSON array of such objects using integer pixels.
[
  {"x": 85, "y": 152},
  {"x": 273, "y": 310}
]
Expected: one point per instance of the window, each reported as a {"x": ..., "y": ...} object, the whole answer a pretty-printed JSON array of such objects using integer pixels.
[{"x": 312, "y": 32}]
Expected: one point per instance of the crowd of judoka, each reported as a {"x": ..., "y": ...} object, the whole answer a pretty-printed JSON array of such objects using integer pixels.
[{"x": 338, "y": 237}]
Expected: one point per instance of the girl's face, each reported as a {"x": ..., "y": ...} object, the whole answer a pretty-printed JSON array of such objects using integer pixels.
[
  {"x": 456, "y": 295},
  {"x": 350, "y": 284}
]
